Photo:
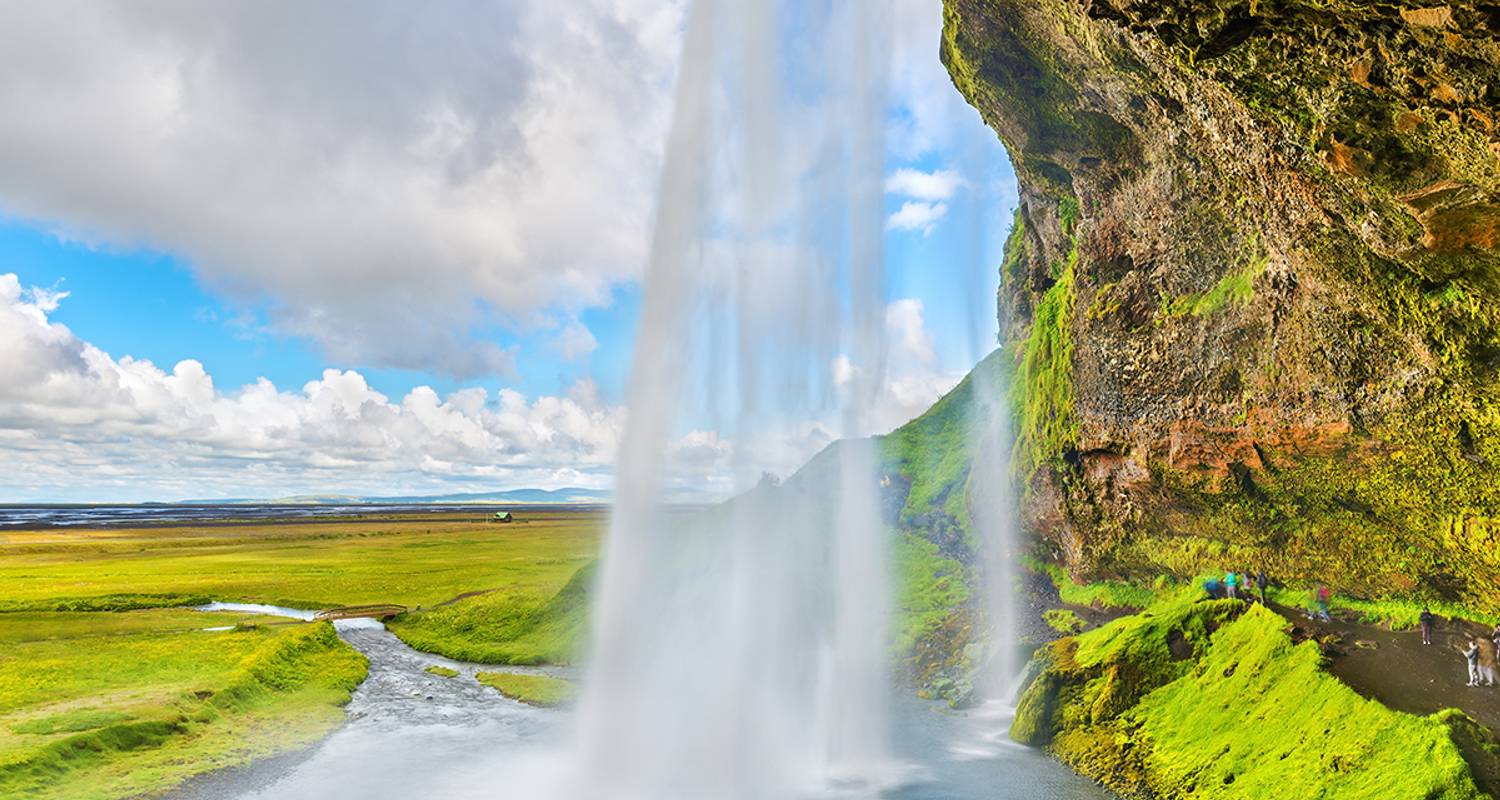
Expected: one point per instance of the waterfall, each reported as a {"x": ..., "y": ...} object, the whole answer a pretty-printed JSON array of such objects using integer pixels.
[
  {"x": 996, "y": 533},
  {"x": 741, "y": 652}
]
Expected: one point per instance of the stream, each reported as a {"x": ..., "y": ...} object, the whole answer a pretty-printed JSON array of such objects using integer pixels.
[{"x": 412, "y": 735}]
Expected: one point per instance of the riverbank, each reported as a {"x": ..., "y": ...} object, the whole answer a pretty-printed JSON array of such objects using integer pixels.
[{"x": 403, "y": 707}]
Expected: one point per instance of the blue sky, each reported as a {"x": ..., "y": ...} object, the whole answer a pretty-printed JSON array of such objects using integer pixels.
[
  {"x": 150, "y": 305},
  {"x": 507, "y": 258}
]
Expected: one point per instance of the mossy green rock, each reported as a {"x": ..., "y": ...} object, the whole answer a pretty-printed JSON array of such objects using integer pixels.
[
  {"x": 1254, "y": 285},
  {"x": 1213, "y": 700}
]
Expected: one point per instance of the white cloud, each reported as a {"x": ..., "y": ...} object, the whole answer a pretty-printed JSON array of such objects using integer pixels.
[
  {"x": 931, "y": 111},
  {"x": 77, "y": 423},
  {"x": 906, "y": 326},
  {"x": 936, "y": 185},
  {"x": 381, "y": 177},
  {"x": 914, "y": 380},
  {"x": 916, "y": 216},
  {"x": 575, "y": 341}
]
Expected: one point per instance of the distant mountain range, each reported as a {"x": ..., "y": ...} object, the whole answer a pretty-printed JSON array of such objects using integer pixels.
[
  {"x": 569, "y": 496},
  {"x": 565, "y": 496}
]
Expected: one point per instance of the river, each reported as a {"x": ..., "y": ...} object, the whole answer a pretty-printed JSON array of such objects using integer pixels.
[{"x": 412, "y": 735}]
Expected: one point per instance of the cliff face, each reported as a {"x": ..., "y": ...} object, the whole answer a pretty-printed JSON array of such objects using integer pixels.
[{"x": 1253, "y": 291}]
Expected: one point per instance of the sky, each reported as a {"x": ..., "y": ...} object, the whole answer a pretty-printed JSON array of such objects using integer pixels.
[{"x": 260, "y": 249}]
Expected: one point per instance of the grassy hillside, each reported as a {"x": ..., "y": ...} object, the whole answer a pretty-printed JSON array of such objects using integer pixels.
[{"x": 928, "y": 487}]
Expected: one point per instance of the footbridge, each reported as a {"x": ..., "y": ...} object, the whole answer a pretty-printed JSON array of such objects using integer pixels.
[{"x": 385, "y": 611}]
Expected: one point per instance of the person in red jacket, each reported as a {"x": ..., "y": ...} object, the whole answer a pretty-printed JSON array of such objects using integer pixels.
[{"x": 1323, "y": 603}]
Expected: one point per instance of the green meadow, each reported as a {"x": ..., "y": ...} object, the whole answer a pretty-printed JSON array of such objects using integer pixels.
[
  {"x": 118, "y": 704},
  {"x": 408, "y": 561},
  {"x": 110, "y": 689}
]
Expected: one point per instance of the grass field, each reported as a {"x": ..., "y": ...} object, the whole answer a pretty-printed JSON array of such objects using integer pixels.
[
  {"x": 536, "y": 690},
  {"x": 315, "y": 565},
  {"x": 515, "y": 625},
  {"x": 105, "y": 705},
  {"x": 105, "y": 693}
]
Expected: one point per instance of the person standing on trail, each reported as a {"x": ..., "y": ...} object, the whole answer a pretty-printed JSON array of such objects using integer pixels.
[
  {"x": 1471, "y": 654},
  {"x": 1322, "y": 595},
  {"x": 1487, "y": 666},
  {"x": 1425, "y": 620},
  {"x": 1260, "y": 583},
  {"x": 1230, "y": 579}
]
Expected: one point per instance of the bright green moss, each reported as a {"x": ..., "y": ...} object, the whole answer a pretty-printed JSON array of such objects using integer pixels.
[
  {"x": 1090, "y": 678},
  {"x": 1232, "y": 291},
  {"x": 1067, "y": 214},
  {"x": 1095, "y": 594},
  {"x": 1211, "y": 699},
  {"x": 1063, "y": 620},
  {"x": 1046, "y": 419},
  {"x": 440, "y": 671},
  {"x": 1016, "y": 254},
  {"x": 1258, "y": 717}
]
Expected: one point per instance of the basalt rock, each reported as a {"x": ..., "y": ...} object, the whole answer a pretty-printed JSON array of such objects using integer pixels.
[{"x": 1253, "y": 290}]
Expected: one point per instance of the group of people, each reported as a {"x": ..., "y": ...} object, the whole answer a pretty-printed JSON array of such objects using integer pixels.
[
  {"x": 1480, "y": 653},
  {"x": 1238, "y": 586}
]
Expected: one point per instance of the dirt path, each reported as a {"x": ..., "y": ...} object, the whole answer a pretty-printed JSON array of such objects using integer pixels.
[{"x": 1395, "y": 668}]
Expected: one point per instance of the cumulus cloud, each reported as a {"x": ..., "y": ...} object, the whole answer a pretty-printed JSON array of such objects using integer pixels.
[
  {"x": 380, "y": 177},
  {"x": 927, "y": 104},
  {"x": 914, "y": 379},
  {"x": 936, "y": 185},
  {"x": 575, "y": 341},
  {"x": 383, "y": 178},
  {"x": 916, "y": 216},
  {"x": 76, "y": 422}
]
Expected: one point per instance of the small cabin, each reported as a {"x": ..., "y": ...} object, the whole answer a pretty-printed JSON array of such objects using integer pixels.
[{"x": 502, "y": 516}]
